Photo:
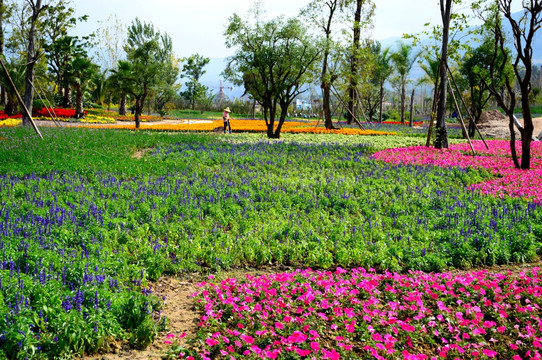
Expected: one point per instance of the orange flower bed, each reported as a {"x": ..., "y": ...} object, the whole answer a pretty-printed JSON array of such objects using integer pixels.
[{"x": 249, "y": 126}]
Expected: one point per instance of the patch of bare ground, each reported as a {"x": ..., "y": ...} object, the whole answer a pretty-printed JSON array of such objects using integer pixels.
[
  {"x": 180, "y": 312},
  {"x": 140, "y": 153},
  {"x": 496, "y": 125}
]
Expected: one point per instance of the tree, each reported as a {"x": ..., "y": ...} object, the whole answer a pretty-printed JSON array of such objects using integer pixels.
[
  {"x": 31, "y": 58},
  {"x": 323, "y": 14},
  {"x": 79, "y": 73},
  {"x": 150, "y": 56},
  {"x": 61, "y": 52},
  {"x": 3, "y": 8},
  {"x": 474, "y": 69},
  {"x": 355, "y": 57},
  {"x": 99, "y": 93},
  {"x": 193, "y": 70},
  {"x": 109, "y": 50},
  {"x": 120, "y": 81},
  {"x": 442, "y": 133},
  {"x": 368, "y": 88},
  {"x": 273, "y": 60},
  {"x": 17, "y": 74},
  {"x": 403, "y": 59},
  {"x": 384, "y": 71},
  {"x": 523, "y": 34}
]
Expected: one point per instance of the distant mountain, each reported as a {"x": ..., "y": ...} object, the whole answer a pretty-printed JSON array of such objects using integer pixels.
[{"x": 537, "y": 43}]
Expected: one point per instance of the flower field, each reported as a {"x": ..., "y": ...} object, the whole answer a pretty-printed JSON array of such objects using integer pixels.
[
  {"x": 86, "y": 227},
  {"x": 252, "y": 126},
  {"x": 509, "y": 182},
  {"x": 361, "y": 314}
]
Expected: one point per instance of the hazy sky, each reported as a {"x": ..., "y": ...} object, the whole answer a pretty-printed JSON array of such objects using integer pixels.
[{"x": 198, "y": 25}]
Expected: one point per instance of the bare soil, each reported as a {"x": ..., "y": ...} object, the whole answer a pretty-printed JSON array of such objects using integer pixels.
[
  {"x": 495, "y": 124},
  {"x": 182, "y": 318}
]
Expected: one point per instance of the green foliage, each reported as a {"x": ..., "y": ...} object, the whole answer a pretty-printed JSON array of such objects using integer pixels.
[
  {"x": 273, "y": 60},
  {"x": 193, "y": 70},
  {"x": 150, "y": 65}
]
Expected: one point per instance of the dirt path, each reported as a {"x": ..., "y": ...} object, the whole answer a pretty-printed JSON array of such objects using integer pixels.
[{"x": 178, "y": 308}]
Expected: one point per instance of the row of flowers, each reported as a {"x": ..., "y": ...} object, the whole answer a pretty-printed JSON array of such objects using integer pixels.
[
  {"x": 415, "y": 123},
  {"x": 252, "y": 126},
  {"x": 363, "y": 314},
  {"x": 510, "y": 181},
  {"x": 43, "y": 113},
  {"x": 10, "y": 122}
]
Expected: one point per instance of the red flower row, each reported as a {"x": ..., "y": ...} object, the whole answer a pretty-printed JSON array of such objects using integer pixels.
[{"x": 43, "y": 112}]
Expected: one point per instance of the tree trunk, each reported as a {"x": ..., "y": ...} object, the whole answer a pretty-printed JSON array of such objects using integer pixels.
[
  {"x": 11, "y": 108},
  {"x": 67, "y": 100},
  {"x": 410, "y": 121},
  {"x": 3, "y": 92},
  {"x": 527, "y": 132},
  {"x": 441, "y": 141},
  {"x": 403, "y": 99},
  {"x": 122, "y": 104},
  {"x": 31, "y": 59},
  {"x": 271, "y": 121},
  {"x": 79, "y": 113},
  {"x": 381, "y": 100},
  {"x": 138, "y": 111},
  {"x": 354, "y": 61},
  {"x": 326, "y": 102},
  {"x": 513, "y": 139}
]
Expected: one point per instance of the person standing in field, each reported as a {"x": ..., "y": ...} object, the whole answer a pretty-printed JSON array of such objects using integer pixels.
[{"x": 226, "y": 119}]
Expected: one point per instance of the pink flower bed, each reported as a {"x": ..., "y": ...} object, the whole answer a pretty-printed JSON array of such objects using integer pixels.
[
  {"x": 510, "y": 181},
  {"x": 362, "y": 314}
]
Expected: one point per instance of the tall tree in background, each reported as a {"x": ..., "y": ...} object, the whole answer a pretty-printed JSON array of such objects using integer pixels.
[
  {"x": 193, "y": 70},
  {"x": 273, "y": 60},
  {"x": 441, "y": 141},
  {"x": 78, "y": 74},
  {"x": 119, "y": 82},
  {"x": 3, "y": 93},
  {"x": 150, "y": 57},
  {"x": 60, "y": 53},
  {"x": 324, "y": 14},
  {"x": 404, "y": 59},
  {"x": 31, "y": 57},
  {"x": 359, "y": 23},
  {"x": 108, "y": 51},
  {"x": 474, "y": 70},
  {"x": 384, "y": 71}
]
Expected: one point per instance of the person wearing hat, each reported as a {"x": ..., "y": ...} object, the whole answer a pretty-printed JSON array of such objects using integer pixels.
[{"x": 226, "y": 119}]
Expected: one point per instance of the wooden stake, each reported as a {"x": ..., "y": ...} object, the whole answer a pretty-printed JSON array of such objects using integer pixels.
[{"x": 20, "y": 99}]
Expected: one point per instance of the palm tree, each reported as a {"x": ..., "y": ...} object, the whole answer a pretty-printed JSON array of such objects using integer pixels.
[
  {"x": 17, "y": 74},
  {"x": 403, "y": 59},
  {"x": 430, "y": 67},
  {"x": 119, "y": 81},
  {"x": 384, "y": 71},
  {"x": 79, "y": 73},
  {"x": 100, "y": 87}
]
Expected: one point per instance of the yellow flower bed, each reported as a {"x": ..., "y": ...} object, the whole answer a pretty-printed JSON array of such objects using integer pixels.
[
  {"x": 11, "y": 122},
  {"x": 96, "y": 119},
  {"x": 253, "y": 126}
]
